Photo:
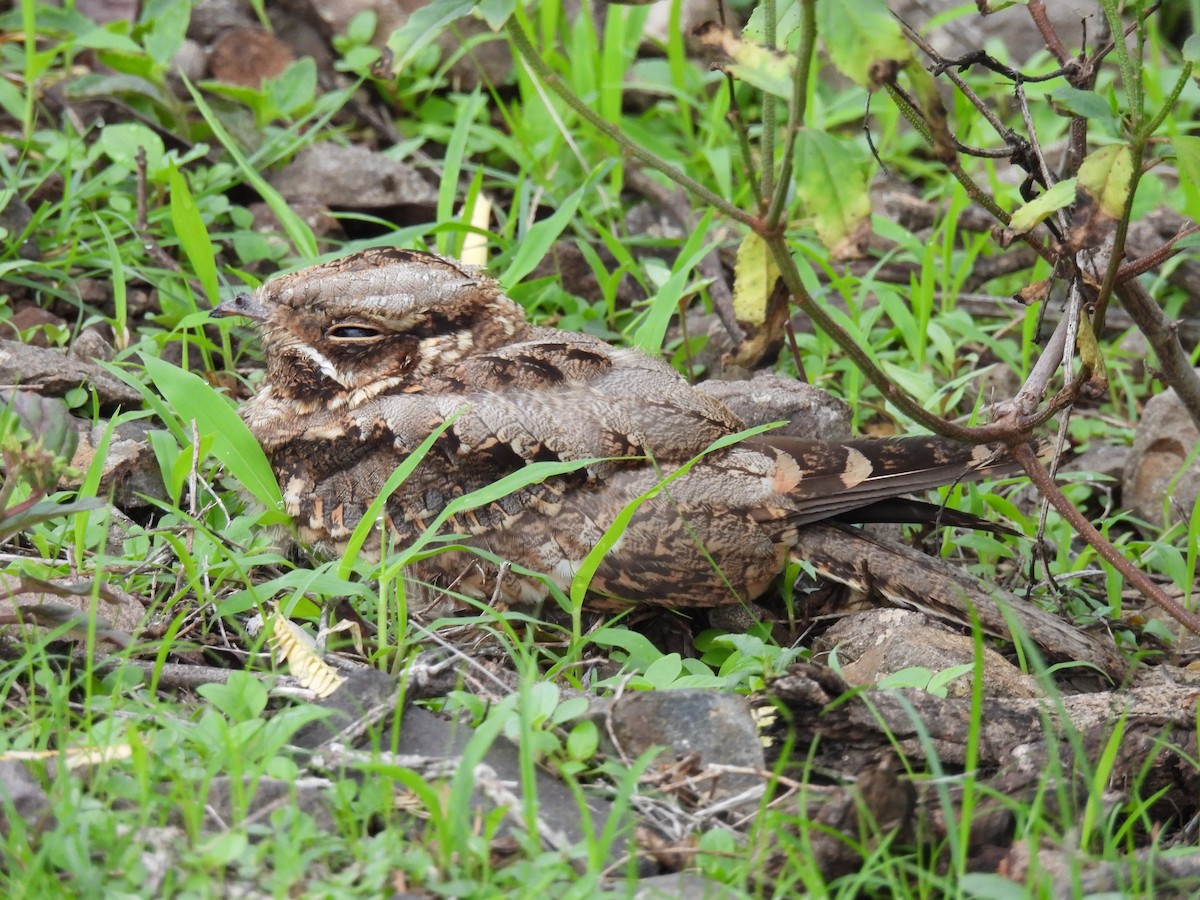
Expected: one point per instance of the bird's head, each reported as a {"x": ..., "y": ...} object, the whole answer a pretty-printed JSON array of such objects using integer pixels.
[{"x": 381, "y": 320}]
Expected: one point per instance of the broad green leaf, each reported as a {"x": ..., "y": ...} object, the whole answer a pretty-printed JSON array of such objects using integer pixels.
[
  {"x": 168, "y": 29},
  {"x": 1105, "y": 175},
  {"x": 12, "y": 101},
  {"x": 233, "y": 444},
  {"x": 1191, "y": 49},
  {"x": 495, "y": 12},
  {"x": 787, "y": 23},
  {"x": 241, "y": 698},
  {"x": 122, "y": 141},
  {"x": 1037, "y": 209},
  {"x": 858, "y": 34},
  {"x": 1088, "y": 104},
  {"x": 641, "y": 652},
  {"x": 423, "y": 28},
  {"x": 754, "y": 279},
  {"x": 44, "y": 511},
  {"x": 652, "y": 329},
  {"x": 192, "y": 234},
  {"x": 832, "y": 182},
  {"x": 107, "y": 38},
  {"x": 294, "y": 89}
]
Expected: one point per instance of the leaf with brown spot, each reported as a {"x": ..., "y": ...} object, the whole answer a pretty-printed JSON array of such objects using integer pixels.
[
  {"x": 768, "y": 70},
  {"x": 1104, "y": 180},
  {"x": 832, "y": 182}
]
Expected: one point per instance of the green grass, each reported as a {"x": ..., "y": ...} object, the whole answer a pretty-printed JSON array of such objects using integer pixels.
[{"x": 202, "y": 554}]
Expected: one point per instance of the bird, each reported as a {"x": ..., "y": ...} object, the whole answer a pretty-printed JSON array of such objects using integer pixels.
[{"x": 368, "y": 355}]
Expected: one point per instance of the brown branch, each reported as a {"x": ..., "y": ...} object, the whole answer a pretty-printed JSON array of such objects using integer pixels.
[
  {"x": 1136, "y": 267},
  {"x": 1041, "y": 19},
  {"x": 1024, "y": 454}
]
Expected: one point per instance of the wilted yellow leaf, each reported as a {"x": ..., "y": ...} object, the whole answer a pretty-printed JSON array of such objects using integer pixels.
[
  {"x": 292, "y": 644},
  {"x": 754, "y": 277},
  {"x": 1041, "y": 206}
]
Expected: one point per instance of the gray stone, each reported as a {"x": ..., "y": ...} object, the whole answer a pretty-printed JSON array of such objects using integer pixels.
[
  {"x": 352, "y": 177},
  {"x": 717, "y": 727},
  {"x": 53, "y": 373},
  {"x": 1165, "y": 437},
  {"x": 877, "y": 643},
  {"x": 426, "y": 735},
  {"x": 130, "y": 471}
]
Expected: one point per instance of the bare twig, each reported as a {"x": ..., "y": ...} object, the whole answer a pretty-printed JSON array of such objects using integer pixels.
[{"x": 1042, "y": 480}]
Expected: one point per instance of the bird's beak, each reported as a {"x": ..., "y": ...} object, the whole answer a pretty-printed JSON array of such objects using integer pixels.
[{"x": 241, "y": 305}]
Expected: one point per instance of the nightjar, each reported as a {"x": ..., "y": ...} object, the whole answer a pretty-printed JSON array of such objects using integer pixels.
[{"x": 368, "y": 355}]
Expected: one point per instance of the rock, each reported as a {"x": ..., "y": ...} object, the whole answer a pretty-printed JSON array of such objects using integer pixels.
[
  {"x": 877, "y": 643},
  {"x": 248, "y": 56},
  {"x": 717, "y": 727},
  {"x": 1100, "y": 459},
  {"x": 1165, "y": 437},
  {"x": 211, "y": 18},
  {"x": 22, "y": 795},
  {"x": 91, "y": 345},
  {"x": 130, "y": 467},
  {"x": 424, "y": 735},
  {"x": 33, "y": 603},
  {"x": 15, "y": 217},
  {"x": 315, "y": 215},
  {"x": 53, "y": 373},
  {"x": 35, "y": 323},
  {"x": 189, "y": 61},
  {"x": 809, "y": 411},
  {"x": 352, "y": 178}
]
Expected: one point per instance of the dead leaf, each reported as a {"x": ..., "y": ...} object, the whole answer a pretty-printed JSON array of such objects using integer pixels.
[{"x": 291, "y": 643}]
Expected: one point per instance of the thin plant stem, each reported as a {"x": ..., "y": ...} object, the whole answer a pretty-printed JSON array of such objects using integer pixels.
[
  {"x": 767, "y": 141},
  {"x": 796, "y": 110}
]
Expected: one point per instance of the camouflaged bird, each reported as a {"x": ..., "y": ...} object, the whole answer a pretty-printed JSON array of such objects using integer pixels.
[{"x": 368, "y": 355}]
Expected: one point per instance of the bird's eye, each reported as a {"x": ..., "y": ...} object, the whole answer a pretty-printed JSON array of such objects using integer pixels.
[{"x": 354, "y": 333}]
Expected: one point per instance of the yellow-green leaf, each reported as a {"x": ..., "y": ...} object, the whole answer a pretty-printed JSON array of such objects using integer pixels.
[
  {"x": 1105, "y": 176},
  {"x": 768, "y": 70},
  {"x": 1037, "y": 209},
  {"x": 1187, "y": 157},
  {"x": 832, "y": 182},
  {"x": 754, "y": 279}
]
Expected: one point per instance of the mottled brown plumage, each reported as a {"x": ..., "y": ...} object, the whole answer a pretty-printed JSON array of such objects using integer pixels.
[{"x": 367, "y": 355}]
